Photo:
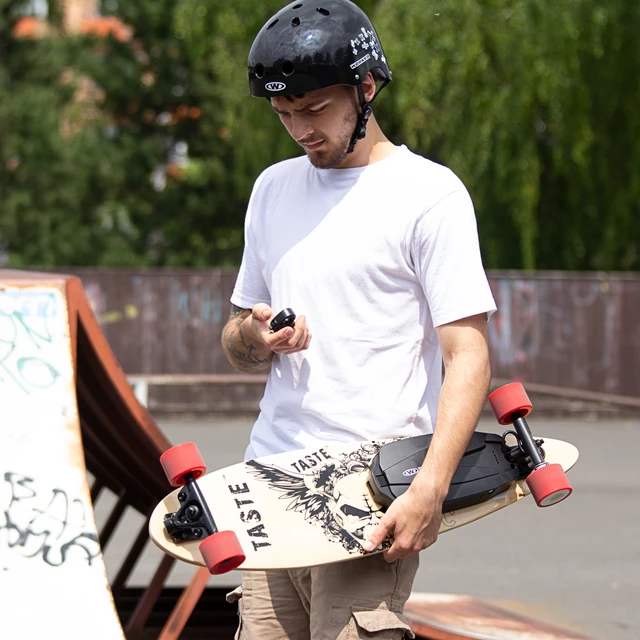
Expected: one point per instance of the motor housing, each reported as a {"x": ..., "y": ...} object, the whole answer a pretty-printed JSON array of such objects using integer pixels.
[{"x": 484, "y": 470}]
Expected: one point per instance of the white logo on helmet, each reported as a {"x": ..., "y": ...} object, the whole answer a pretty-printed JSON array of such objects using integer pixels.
[
  {"x": 362, "y": 60},
  {"x": 275, "y": 86},
  {"x": 366, "y": 44},
  {"x": 411, "y": 472}
]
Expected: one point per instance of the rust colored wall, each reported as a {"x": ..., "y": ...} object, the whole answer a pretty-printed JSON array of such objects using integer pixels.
[
  {"x": 575, "y": 330},
  {"x": 571, "y": 330}
]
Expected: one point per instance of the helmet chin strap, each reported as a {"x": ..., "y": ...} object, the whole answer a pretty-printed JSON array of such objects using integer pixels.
[
  {"x": 363, "y": 118},
  {"x": 365, "y": 113}
]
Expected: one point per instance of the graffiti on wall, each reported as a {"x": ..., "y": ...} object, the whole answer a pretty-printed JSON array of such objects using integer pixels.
[
  {"x": 196, "y": 305},
  {"x": 47, "y": 526},
  {"x": 550, "y": 330},
  {"x": 513, "y": 331},
  {"x": 25, "y": 334}
]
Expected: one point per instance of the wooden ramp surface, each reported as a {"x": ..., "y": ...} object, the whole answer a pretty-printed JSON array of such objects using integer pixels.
[
  {"x": 436, "y": 616},
  {"x": 66, "y": 408}
]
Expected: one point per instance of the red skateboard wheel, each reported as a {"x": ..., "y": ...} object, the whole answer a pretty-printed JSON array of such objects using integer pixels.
[
  {"x": 222, "y": 552},
  {"x": 180, "y": 460},
  {"x": 549, "y": 485},
  {"x": 508, "y": 399}
]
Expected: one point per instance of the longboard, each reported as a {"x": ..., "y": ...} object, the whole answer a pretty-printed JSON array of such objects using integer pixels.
[{"x": 311, "y": 507}]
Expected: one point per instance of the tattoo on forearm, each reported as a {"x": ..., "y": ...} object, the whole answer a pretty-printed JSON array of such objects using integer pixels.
[
  {"x": 243, "y": 355},
  {"x": 237, "y": 311}
]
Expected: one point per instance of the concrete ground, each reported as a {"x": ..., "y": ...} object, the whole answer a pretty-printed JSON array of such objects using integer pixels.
[{"x": 576, "y": 564}]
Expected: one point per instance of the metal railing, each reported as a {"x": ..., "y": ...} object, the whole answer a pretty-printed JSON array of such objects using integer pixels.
[{"x": 142, "y": 382}]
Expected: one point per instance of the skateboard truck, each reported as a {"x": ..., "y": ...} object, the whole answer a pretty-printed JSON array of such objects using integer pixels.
[
  {"x": 221, "y": 550},
  {"x": 547, "y": 482},
  {"x": 193, "y": 521},
  {"x": 528, "y": 453}
]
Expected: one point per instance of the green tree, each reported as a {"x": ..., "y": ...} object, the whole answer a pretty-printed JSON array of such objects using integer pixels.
[
  {"x": 173, "y": 193},
  {"x": 532, "y": 105},
  {"x": 219, "y": 41},
  {"x": 101, "y": 157},
  {"x": 53, "y": 155}
]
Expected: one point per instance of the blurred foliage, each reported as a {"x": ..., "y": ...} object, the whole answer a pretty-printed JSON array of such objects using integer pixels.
[
  {"x": 533, "y": 104},
  {"x": 106, "y": 156}
]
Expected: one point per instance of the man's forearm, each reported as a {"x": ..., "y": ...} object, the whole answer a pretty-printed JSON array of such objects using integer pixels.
[
  {"x": 242, "y": 352},
  {"x": 464, "y": 392}
]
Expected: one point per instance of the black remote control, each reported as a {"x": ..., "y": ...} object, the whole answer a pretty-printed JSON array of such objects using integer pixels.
[{"x": 286, "y": 318}]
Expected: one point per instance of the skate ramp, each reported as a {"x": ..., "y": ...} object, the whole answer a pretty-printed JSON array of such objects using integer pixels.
[{"x": 66, "y": 406}]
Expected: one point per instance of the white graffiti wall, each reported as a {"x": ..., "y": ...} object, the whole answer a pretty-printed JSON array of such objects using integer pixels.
[{"x": 52, "y": 576}]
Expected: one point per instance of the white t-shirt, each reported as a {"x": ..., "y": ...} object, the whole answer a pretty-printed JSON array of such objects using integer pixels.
[{"x": 375, "y": 257}]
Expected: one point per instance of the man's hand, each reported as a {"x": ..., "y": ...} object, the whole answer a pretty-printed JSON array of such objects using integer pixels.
[
  {"x": 249, "y": 344},
  {"x": 413, "y": 520},
  {"x": 286, "y": 341}
]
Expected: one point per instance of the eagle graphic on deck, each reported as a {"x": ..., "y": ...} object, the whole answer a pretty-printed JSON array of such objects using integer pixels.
[{"x": 332, "y": 496}]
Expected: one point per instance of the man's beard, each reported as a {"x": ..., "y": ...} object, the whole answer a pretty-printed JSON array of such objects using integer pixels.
[{"x": 333, "y": 157}]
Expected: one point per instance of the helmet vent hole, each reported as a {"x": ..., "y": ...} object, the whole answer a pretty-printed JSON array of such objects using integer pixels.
[
  {"x": 324, "y": 12},
  {"x": 287, "y": 68},
  {"x": 273, "y": 24},
  {"x": 297, "y": 6},
  {"x": 259, "y": 70},
  {"x": 295, "y": 22}
]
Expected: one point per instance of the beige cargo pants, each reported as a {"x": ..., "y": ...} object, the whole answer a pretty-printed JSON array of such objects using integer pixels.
[{"x": 361, "y": 598}]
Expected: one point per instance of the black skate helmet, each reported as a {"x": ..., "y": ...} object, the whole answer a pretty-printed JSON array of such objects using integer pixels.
[{"x": 314, "y": 44}]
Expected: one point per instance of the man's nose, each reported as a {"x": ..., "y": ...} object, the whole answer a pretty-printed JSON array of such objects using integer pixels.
[{"x": 300, "y": 127}]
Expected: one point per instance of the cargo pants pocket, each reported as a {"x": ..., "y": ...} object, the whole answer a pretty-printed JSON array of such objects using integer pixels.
[
  {"x": 380, "y": 624},
  {"x": 236, "y": 596}
]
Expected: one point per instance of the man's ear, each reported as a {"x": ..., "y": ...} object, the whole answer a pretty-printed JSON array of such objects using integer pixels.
[{"x": 369, "y": 87}]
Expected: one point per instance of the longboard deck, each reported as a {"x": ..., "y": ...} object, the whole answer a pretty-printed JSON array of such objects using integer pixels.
[{"x": 310, "y": 507}]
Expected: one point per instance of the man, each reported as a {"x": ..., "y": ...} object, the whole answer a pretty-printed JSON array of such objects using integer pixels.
[{"x": 376, "y": 248}]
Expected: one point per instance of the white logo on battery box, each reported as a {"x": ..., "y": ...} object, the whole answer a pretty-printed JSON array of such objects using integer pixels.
[
  {"x": 411, "y": 472},
  {"x": 275, "y": 86}
]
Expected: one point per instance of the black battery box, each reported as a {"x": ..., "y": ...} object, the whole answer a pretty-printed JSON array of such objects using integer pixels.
[{"x": 483, "y": 472}]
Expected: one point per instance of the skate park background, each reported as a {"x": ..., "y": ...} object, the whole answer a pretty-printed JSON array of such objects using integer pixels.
[
  {"x": 577, "y": 563},
  {"x": 128, "y": 148},
  {"x": 570, "y": 571}
]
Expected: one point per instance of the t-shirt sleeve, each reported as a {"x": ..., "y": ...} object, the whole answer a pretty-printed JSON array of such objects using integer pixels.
[
  {"x": 250, "y": 287},
  {"x": 446, "y": 256}
]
